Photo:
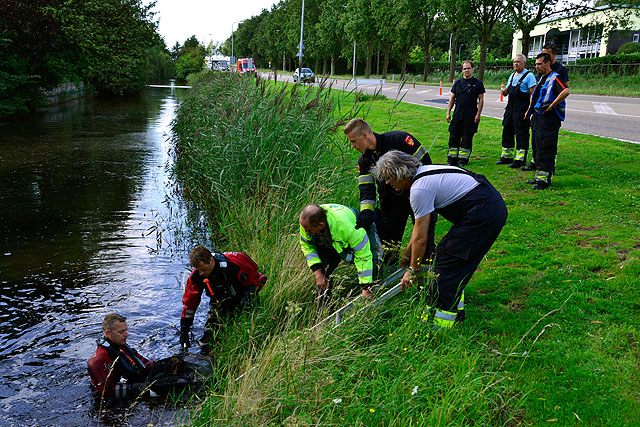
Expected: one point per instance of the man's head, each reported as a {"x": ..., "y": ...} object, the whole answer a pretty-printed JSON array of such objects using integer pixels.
[
  {"x": 114, "y": 328},
  {"x": 360, "y": 135},
  {"x": 519, "y": 61},
  {"x": 396, "y": 169},
  {"x": 313, "y": 219},
  {"x": 552, "y": 50},
  {"x": 467, "y": 69},
  {"x": 202, "y": 260},
  {"x": 543, "y": 63}
]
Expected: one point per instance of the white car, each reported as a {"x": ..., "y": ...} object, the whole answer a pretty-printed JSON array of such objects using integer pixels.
[{"x": 306, "y": 76}]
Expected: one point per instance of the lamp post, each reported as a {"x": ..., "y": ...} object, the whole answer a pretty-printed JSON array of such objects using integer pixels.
[
  {"x": 233, "y": 58},
  {"x": 301, "y": 46}
]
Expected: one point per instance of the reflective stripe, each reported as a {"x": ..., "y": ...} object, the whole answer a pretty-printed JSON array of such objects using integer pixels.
[
  {"x": 367, "y": 204},
  {"x": 366, "y": 179},
  {"x": 543, "y": 176},
  {"x": 362, "y": 244},
  {"x": 461, "y": 302},
  {"x": 520, "y": 155},
  {"x": 121, "y": 391},
  {"x": 464, "y": 153},
  {"x": 453, "y": 152},
  {"x": 349, "y": 257},
  {"x": 311, "y": 256},
  {"x": 507, "y": 153},
  {"x": 444, "y": 319},
  {"x": 419, "y": 154},
  {"x": 365, "y": 273},
  {"x": 305, "y": 240}
]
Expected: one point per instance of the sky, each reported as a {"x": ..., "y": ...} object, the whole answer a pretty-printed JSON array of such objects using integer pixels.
[{"x": 206, "y": 19}]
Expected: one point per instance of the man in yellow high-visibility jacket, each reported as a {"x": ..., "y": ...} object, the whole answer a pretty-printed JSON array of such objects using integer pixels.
[{"x": 328, "y": 234}]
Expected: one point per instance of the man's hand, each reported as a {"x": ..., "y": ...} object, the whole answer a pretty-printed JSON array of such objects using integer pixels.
[
  {"x": 321, "y": 280},
  {"x": 477, "y": 118},
  {"x": 407, "y": 280},
  {"x": 448, "y": 118},
  {"x": 367, "y": 295},
  {"x": 184, "y": 338},
  {"x": 365, "y": 220}
]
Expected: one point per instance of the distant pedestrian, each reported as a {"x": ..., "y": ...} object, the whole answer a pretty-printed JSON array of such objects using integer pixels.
[
  {"x": 547, "y": 108},
  {"x": 515, "y": 123},
  {"x": 467, "y": 94}
]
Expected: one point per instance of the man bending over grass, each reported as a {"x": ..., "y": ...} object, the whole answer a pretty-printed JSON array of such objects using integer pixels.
[{"x": 470, "y": 203}]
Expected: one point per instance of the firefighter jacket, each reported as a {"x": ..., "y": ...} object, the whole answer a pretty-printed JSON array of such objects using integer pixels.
[
  {"x": 546, "y": 92},
  {"x": 222, "y": 287},
  {"x": 385, "y": 142},
  {"x": 106, "y": 377},
  {"x": 352, "y": 244}
]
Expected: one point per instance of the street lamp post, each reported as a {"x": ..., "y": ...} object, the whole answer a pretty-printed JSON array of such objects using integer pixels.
[
  {"x": 301, "y": 46},
  {"x": 233, "y": 58}
]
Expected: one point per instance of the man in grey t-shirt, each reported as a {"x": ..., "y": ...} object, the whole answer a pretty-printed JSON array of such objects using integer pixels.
[{"x": 469, "y": 202}]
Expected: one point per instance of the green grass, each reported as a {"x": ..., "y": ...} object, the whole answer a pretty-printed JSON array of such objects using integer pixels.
[{"x": 560, "y": 284}]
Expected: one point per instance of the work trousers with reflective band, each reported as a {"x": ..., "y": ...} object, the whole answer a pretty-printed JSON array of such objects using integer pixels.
[
  {"x": 461, "y": 133},
  {"x": 477, "y": 220},
  {"x": 442, "y": 318},
  {"x": 515, "y": 126},
  {"x": 394, "y": 212},
  {"x": 546, "y": 128}
]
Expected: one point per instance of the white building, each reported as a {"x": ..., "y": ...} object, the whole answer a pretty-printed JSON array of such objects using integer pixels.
[{"x": 580, "y": 36}]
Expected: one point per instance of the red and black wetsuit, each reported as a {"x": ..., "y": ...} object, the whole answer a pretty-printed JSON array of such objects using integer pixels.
[
  {"x": 130, "y": 365},
  {"x": 224, "y": 290}
]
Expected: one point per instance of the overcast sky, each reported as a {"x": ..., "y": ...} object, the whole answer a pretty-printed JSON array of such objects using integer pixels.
[{"x": 206, "y": 19}]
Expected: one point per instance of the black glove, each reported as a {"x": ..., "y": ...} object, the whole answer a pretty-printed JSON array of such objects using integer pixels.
[
  {"x": 184, "y": 338},
  {"x": 365, "y": 220},
  {"x": 137, "y": 388}
]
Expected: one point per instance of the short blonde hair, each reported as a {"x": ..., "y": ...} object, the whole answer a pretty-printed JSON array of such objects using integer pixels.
[
  {"x": 356, "y": 125},
  {"x": 110, "y": 319}
]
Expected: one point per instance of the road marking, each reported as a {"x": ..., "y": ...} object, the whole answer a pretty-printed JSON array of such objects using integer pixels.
[
  {"x": 424, "y": 91},
  {"x": 604, "y": 108}
]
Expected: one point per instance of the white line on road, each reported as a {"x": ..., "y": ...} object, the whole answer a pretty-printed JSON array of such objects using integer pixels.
[{"x": 603, "y": 107}]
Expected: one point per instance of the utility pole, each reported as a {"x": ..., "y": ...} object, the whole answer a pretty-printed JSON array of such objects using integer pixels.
[{"x": 301, "y": 46}]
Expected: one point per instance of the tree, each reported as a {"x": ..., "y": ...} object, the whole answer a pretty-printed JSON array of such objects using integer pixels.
[
  {"x": 361, "y": 29},
  {"x": 329, "y": 31},
  {"x": 484, "y": 15},
  {"x": 110, "y": 38},
  {"x": 426, "y": 17},
  {"x": 455, "y": 14}
]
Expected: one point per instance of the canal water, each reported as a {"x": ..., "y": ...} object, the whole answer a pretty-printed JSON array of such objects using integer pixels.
[{"x": 89, "y": 225}]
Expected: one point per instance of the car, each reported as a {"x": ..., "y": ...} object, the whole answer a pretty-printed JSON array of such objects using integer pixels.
[
  {"x": 306, "y": 76},
  {"x": 246, "y": 65}
]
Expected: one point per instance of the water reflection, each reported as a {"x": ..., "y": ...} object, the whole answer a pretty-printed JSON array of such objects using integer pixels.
[{"x": 83, "y": 200}]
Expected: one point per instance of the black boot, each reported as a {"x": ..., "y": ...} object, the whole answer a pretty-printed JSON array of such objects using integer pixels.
[
  {"x": 504, "y": 161},
  {"x": 529, "y": 167},
  {"x": 516, "y": 164}
]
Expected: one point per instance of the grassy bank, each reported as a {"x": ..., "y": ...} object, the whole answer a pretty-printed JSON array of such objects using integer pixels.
[{"x": 551, "y": 334}]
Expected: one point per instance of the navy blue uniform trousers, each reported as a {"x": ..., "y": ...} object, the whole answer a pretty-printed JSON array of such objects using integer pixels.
[{"x": 477, "y": 220}]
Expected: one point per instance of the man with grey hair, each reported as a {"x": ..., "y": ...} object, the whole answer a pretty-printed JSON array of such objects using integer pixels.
[
  {"x": 515, "y": 123},
  {"x": 470, "y": 203}
]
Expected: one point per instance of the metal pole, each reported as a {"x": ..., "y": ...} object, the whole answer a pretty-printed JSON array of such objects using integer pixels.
[
  {"x": 301, "y": 33},
  {"x": 354, "y": 61},
  {"x": 233, "y": 57}
]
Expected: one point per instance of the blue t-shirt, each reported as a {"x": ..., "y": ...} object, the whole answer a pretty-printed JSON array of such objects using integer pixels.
[{"x": 528, "y": 82}]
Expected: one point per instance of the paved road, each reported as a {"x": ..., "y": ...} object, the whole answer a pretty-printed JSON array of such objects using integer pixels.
[{"x": 609, "y": 116}]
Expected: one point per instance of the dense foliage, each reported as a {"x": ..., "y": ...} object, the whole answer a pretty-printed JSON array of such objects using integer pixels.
[{"x": 104, "y": 43}]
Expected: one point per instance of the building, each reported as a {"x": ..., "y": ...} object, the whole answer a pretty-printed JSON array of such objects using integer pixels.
[{"x": 581, "y": 36}]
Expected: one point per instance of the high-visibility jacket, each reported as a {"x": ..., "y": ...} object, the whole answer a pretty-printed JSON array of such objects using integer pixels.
[
  {"x": 352, "y": 244},
  {"x": 546, "y": 92}
]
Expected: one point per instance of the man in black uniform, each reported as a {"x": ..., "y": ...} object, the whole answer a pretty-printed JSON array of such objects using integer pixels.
[
  {"x": 519, "y": 89},
  {"x": 563, "y": 76},
  {"x": 467, "y": 94},
  {"x": 394, "y": 205}
]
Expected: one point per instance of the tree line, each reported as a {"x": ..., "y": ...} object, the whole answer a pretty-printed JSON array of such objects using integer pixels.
[
  {"x": 388, "y": 34},
  {"x": 111, "y": 45}
]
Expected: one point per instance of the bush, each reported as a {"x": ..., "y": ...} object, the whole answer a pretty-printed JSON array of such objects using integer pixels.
[{"x": 629, "y": 47}]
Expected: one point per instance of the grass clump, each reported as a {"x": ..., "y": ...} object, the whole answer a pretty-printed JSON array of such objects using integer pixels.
[{"x": 552, "y": 314}]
